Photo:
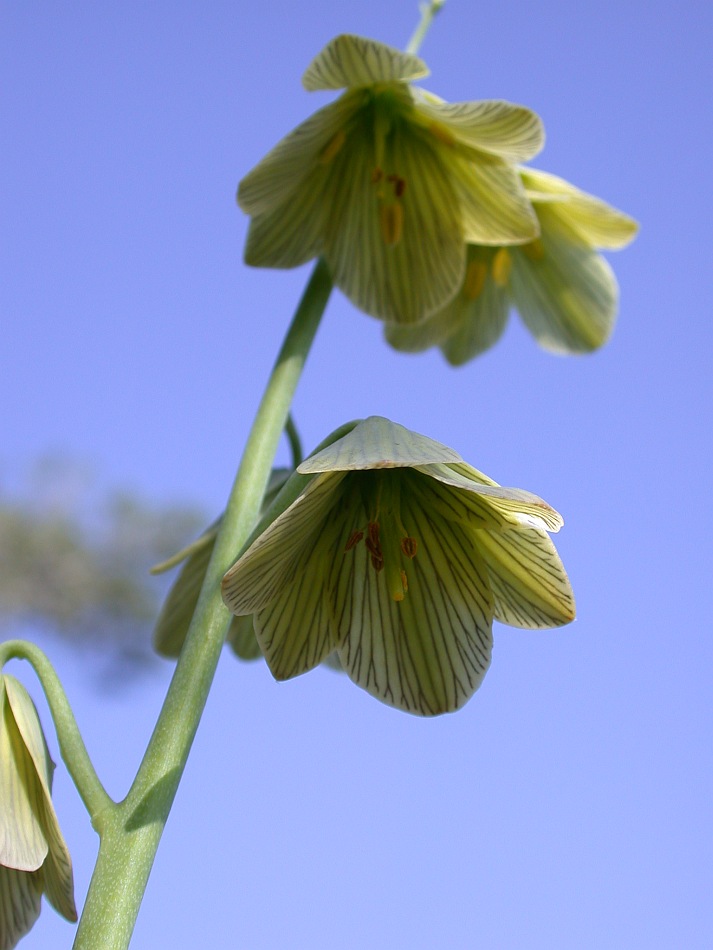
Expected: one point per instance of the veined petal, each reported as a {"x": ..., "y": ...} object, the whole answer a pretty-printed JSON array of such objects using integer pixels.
[
  {"x": 479, "y": 312},
  {"x": 566, "y": 294},
  {"x": 528, "y": 580},
  {"x": 277, "y": 176},
  {"x": 490, "y": 504},
  {"x": 241, "y": 638},
  {"x": 350, "y": 60},
  {"x": 295, "y": 629},
  {"x": 279, "y": 554},
  {"x": 428, "y": 653},
  {"x": 493, "y": 202},
  {"x": 378, "y": 443},
  {"x": 20, "y": 898},
  {"x": 180, "y": 603},
  {"x": 406, "y": 275},
  {"x": 598, "y": 223},
  {"x": 502, "y": 129},
  {"x": 23, "y": 843}
]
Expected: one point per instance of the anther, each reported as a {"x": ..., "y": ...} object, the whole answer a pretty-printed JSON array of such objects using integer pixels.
[
  {"x": 409, "y": 547},
  {"x": 391, "y": 220},
  {"x": 502, "y": 265},
  {"x": 475, "y": 275},
  {"x": 333, "y": 148}
]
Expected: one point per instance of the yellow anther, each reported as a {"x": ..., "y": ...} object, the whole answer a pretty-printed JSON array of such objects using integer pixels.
[
  {"x": 333, "y": 147},
  {"x": 502, "y": 265},
  {"x": 404, "y": 582},
  {"x": 535, "y": 250},
  {"x": 391, "y": 221},
  {"x": 475, "y": 275}
]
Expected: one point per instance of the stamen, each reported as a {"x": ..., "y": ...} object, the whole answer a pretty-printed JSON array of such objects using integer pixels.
[
  {"x": 404, "y": 582},
  {"x": 354, "y": 539},
  {"x": 333, "y": 148},
  {"x": 475, "y": 275},
  {"x": 391, "y": 220},
  {"x": 502, "y": 265},
  {"x": 409, "y": 547},
  {"x": 376, "y": 176}
]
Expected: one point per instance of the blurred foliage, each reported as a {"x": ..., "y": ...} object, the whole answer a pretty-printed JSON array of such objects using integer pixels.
[{"x": 75, "y": 559}]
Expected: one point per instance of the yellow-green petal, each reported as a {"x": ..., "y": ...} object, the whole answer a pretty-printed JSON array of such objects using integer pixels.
[
  {"x": 493, "y": 203},
  {"x": 241, "y": 639},
  {"x": 20, "y": 899},
  {"x": 598, "y": 223},
  {"x": 274, "y": 180},
  {"x": 378, "y": 443},
  {"x": 529, "y": 583},
  {"x": 501, "y": 129},
  {"x": 398, "y": 258},
  {"x": 428, "y": 653},
  {"x": 566, "y": 294},
  {"x": 350, "y": 60}
]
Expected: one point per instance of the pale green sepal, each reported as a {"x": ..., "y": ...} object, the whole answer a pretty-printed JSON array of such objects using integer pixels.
[
  {"x": 20, "y": 902},
  {"x": 23, "y": 843},
  {"x": 277, "y": 176},
  {"x": 495, "y": 209},
  {"x": 528, "y": 580},
  {"x": 489, "y": 505},
  {"x": 422, "y": 268},
  {"x": 428, "y": 653},
  {"x": 241, "y": 639},
  {"x": 597, "y": 222},
  {"x": 502, "y": 129},
  {"x": 279, "y": 553},
  {"x": 568, "y": 295},
  {"x": 378, "y": 443},
  {"x": 349, "y": 60}
]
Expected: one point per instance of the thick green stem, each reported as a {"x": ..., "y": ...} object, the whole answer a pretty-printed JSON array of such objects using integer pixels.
[
  {"x": 71, "y": 745},
  {"x": 428, "y": 12},
  {"x": 131, "y": 834}
]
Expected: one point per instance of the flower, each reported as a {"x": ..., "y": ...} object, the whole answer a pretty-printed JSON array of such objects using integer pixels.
[
  {"x": 565, "y": 291},
  {"x": 33, "y": 855},
  {"x": 388, "y": 183},
  {"x": 399, "y": 555}
]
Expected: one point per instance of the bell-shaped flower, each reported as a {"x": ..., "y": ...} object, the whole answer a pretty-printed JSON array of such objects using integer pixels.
[
  {"x": 399, "y": 555},
  {"x": 564, "y": 290},
  {"x": 388, "y": 183},
  {"x": 34, "y": 859}
]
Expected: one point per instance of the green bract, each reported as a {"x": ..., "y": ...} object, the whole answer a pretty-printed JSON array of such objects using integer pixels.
[
  {"x": 564, "y": 290},
  {"x": 33, "y": 855},
  {"x": 388, "y": 183},
  {"x": 399, "y": 555}
]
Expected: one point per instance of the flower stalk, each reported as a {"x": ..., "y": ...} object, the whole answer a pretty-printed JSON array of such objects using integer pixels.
[{"x": 130, "y": 838}]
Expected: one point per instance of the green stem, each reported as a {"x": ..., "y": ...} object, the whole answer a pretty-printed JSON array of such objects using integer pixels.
[
  {"x": 71, "y": 745},
  {"x": 428, "y": 12},
  {"x": 131, "y": 836}
]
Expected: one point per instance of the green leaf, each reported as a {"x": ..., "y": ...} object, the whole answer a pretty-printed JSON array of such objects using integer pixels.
[{"x": 350, "y": 60}]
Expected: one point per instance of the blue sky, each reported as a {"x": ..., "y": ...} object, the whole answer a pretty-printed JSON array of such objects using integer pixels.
[{"x": 568, "y": 804}]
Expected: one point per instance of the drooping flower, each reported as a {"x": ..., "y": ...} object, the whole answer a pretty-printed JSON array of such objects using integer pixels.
[
  {"x": 564, "y": 290},
  {"x": 34, "y": 859},
  {"x": 388, "y": 183},
  {"x": 399, "y": 555}
]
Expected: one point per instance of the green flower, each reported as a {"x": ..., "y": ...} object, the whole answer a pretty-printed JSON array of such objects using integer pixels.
[
  {"x": 33, "y": 855},
  {"x": 564, "y": 290},
  {"x": 399, "y": 555},
  {"x": 388, "y": 182}
]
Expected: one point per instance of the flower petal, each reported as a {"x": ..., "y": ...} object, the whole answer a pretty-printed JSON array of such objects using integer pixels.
[
  {"x": 275, "y": 178},
  {"x": 596, "y": 222},
  {"x": 20, "y": 898},
  {"x": 23, "y": 843},
  {"x": 241, "y": 638},
  {"x": 493, "y": 202},
  {"x": 378, "y": 443},
  {"x": 350, "y": 60},
  {"x": 406, "y": 276},
  {"x": 566, "y": 294},
  {"x": 502, "y": 129},
  {"x": 278, "y": 555},
  {"x": 528, "y": 580},
  {"x": 428, "y": 653},
  {"x": 292, "y": 233}
]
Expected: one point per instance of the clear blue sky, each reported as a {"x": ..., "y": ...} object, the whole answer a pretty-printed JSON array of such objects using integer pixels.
[{"x": 569, "y": 803}]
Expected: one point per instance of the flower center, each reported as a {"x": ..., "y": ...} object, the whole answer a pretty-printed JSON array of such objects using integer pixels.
[
  {"x": 389, "y": 185},
  {"x": 385, "y": 538}
]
